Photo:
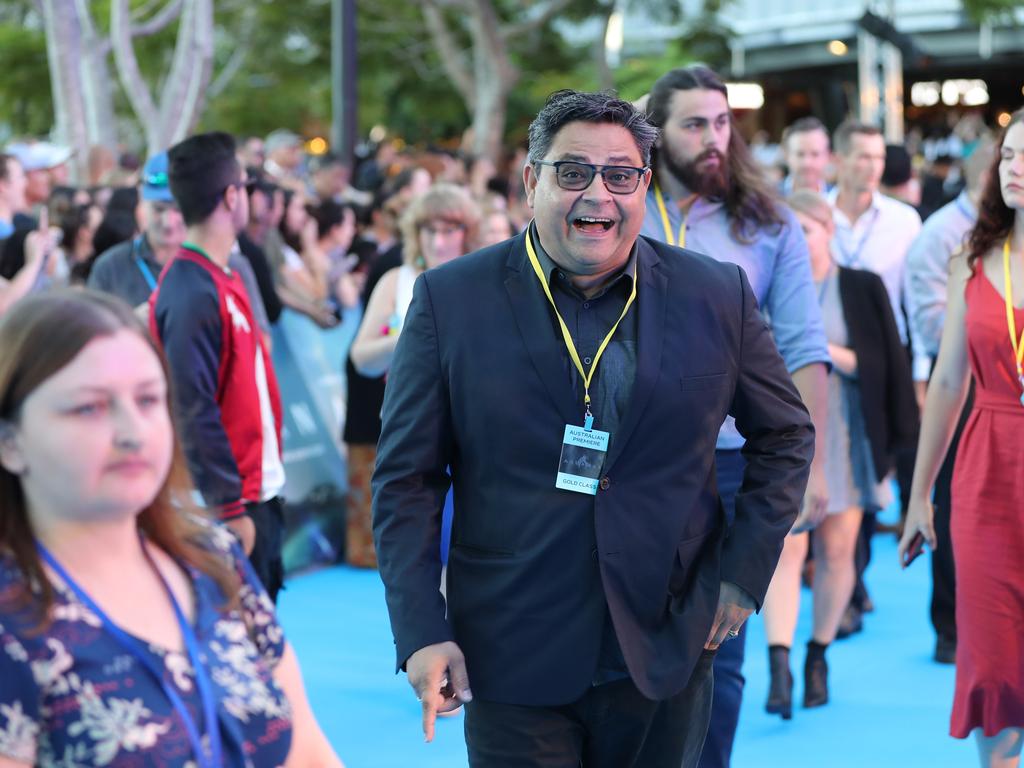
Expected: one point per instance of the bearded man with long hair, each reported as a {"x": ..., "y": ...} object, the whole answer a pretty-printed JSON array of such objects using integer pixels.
[{"x": 709, "y": 195}]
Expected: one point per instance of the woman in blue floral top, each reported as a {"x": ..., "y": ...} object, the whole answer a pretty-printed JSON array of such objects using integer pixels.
[{"x": 132, "y": 631}]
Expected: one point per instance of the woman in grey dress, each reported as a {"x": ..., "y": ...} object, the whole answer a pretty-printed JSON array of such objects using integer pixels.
[{"x": 867, "y": 387}]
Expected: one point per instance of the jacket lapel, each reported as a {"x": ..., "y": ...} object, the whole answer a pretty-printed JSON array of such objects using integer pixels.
[
  {"x": 652, "y": 293},
  {"x": 546, "y": 349}
]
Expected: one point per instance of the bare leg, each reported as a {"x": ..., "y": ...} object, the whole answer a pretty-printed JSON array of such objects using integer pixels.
[
  {"x": 1001, "y": 750},
  {"x": 782, "y": 602},
  {"x": 834, "y": 576}
]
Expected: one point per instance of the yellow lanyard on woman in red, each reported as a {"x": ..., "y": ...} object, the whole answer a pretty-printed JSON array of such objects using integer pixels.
[{"x": 1017, "y": 342}]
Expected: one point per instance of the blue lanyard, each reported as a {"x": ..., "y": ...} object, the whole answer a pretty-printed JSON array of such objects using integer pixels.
[
  {"x": 968, "y": 214},
  {"x": 147, "y": 273},
  {"x": 129, "y": 643},
  {"x": 854, "y": 261}
]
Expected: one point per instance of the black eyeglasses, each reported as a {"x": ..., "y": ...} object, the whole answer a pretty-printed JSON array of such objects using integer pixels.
[{"x": 574, "y": 176}]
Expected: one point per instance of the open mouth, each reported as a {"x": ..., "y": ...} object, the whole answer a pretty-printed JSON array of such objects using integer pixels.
[{"x": 592, "y": 224}]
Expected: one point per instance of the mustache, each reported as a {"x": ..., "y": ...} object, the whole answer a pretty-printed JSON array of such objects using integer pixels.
[{"x": 709, "y": 154}]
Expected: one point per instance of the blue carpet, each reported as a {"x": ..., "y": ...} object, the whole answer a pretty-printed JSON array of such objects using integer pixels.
[{"x": 890, "y": 703}]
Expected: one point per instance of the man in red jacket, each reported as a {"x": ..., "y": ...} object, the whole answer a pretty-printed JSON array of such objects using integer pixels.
[{"x": 225, "y": 392}]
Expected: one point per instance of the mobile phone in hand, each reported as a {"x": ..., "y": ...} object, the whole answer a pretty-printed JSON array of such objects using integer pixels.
[{"x": 914, "y": 550}]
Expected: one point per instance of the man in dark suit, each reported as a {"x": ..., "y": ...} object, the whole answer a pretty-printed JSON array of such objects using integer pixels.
[{"x": 574, "y": 379}]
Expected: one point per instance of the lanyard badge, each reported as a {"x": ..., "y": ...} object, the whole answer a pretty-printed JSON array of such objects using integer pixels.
[{"x": 583, "y": 448}]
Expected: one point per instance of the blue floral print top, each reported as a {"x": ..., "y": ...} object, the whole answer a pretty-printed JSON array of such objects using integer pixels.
[{"x": 73, "y": 697}]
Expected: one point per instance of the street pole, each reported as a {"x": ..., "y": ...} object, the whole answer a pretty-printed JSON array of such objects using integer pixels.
[
  {"x": 867, "y": 78},
  {"x": 343, "y": 78}
]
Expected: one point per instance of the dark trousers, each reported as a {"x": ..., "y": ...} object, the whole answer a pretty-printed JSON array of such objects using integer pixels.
[
  {"x": 728, "y": 691},
  {"x": 265, "y": 558},
  {"x": 610, "y": 726},
  {"x": 943, "y": 607}
]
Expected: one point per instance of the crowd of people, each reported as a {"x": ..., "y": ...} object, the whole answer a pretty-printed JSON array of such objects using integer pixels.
[{"x": 625, "y": 248}]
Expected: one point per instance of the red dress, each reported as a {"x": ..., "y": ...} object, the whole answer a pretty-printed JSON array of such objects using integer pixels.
[{"x": 988, "y": 526}]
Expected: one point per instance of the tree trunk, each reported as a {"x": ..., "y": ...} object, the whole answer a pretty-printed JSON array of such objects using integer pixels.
[
  {"x": 185, "y": 90},
  {"x": 100, "y": 121},
  {"x": 489, "y": 120},
  {"x": 605, "y": 76},
  {"x": 494, "y": 77},
  {"x": 64, "y": 51}
]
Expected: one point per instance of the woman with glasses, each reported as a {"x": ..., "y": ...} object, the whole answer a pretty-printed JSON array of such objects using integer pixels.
[
  {"x": 871, "y": 414},
  {"x": 437, "y": 227}
]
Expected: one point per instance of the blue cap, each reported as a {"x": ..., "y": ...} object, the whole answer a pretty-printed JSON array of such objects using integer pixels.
[{"x": 155, "y": 184}]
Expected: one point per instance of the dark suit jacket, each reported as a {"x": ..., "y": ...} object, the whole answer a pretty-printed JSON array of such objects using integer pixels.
[
  {"x": 480, "y": 381},
  {"x": 883, "y": 366}
]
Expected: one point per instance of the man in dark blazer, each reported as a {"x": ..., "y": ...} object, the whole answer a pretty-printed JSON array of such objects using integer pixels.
[{"x": 573, "y": 379}]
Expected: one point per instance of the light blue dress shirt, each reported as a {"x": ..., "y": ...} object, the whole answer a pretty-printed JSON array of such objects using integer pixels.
[
  {"x": 942, "y": 236},
  {"x": 778, "y": 267}
]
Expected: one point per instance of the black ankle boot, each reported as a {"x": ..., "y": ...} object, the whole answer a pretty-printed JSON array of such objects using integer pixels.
[
  {"x": 815, "y": 676},
  {"x": 780, "y": 690}
]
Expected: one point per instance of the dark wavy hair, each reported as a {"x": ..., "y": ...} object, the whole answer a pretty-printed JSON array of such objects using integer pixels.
[
  {"x": 38, "y": 337},
  {"x": 751, "y": 201},
  {"x": 568, "y": 106},
  {"x": 995, "y": 217}
]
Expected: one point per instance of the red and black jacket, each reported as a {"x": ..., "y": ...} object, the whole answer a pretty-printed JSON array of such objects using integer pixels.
[{"x": 201, "y": 317}]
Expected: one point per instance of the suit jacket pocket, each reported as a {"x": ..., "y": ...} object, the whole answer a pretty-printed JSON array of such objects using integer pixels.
[
  {"x": 481, "y": 553},
  {"x": 712, "y": 381},
  {"x": 689, "y": 556}
]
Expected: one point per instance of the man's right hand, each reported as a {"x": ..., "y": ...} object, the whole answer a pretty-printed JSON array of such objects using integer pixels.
[{"x": 438, "y": 675}]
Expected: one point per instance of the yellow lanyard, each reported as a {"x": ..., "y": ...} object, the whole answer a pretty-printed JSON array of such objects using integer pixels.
[
  {"x": 666, "y": 223},
  {"x": 1016, "y": 341},
  {"x": 587, "y": 376}
]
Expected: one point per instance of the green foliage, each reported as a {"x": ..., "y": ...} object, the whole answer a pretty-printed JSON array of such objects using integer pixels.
[
  {"x": 636, "y": 75},
  {"x": 991, "y": 10},
  {"x": 26, "y": 106},
  {"x": 282, "y": 51},
  {"x": 284, "y": 78}
]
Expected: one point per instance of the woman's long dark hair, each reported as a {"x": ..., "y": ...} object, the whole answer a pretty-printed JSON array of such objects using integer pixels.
[
  {"x": 291, "y": 239},
  {"x": 38, "y": 337},
  {"x": 995, "y": 217}
]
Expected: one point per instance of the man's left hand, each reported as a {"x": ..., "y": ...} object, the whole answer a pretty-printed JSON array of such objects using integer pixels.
[{"x": 734, "y": 607}]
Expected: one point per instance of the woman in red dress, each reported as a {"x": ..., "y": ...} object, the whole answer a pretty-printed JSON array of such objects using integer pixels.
[{"x": 983, "y": 337}]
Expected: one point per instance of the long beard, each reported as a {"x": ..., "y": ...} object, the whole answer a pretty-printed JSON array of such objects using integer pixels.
[{"x": 712, "y": 183}]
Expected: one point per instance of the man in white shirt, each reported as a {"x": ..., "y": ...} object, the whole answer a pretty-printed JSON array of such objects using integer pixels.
[{"x": 874, "y": 233}]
